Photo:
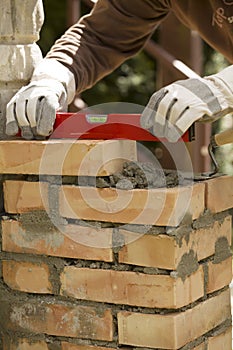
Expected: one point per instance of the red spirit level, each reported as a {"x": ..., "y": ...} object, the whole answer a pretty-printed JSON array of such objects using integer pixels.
[{"x": 105, "y": 127}]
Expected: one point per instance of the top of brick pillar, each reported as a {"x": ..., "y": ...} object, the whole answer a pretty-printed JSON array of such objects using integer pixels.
[{"x": 21, "y": 23}]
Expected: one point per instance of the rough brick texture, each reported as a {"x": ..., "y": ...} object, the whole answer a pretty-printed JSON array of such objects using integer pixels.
[
  {"x": 144, "y": 268},
  {"x": 96, "y": 243},
  {"x": 24, "y": 344},
  {"x": 59, "y": 319}
]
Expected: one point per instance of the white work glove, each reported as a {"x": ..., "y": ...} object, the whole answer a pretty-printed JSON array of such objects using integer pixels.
[
  {"x": 173, "y": 109},
  {"x": 33, "y": 108}
]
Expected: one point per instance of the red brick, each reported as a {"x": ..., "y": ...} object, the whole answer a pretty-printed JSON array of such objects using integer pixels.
[
  {"x": 172, "y": 331},
  {"x": 97, "y": 243},
  {"x": 221, "y": 341},
  {"x": 219, "y": 275},
  {"x": 82, "y": 157},
  {"x": 73, "y": 321},
  {"x": 131, "y": 288},
  {"x": 166, "y": 251},
  {"x": 219, "y": 194},
  {"x": 27, "y": 276}
]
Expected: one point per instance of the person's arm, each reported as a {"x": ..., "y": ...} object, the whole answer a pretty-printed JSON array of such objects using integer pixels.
[
  {"x": 114, "y": 31},
  {"x": 174, "y": 108}
]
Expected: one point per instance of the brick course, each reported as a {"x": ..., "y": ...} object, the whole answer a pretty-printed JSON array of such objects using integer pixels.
[
  {"x": 82, "y": 157},
  {"x": 16, "y": 238},
  {"x": 150, "y": 207},
  {"x": 166, "y": 251},
  {"x": 164, "y": 331},
  {"x": 132, "y": 288},
  {"x": 107, "y": 277}
]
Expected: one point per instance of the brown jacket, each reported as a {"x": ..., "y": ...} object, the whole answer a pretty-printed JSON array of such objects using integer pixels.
[{"x": 117, "y": 29}]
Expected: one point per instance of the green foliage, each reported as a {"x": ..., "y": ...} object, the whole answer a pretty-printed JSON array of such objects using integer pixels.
[{"x": 133, "y": 82}]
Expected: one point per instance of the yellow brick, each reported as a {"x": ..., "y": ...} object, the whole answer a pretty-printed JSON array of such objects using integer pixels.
[
  {"x": 78, "y": 242},
  {"x": 165, "y": 252},
  {"x": 131, "y": 288},
  {"x": 219, "y": 194},
  {"x": 27, "y": 276},
  {"x": 172, "y": 331},
  {"x": 219, "y": 275},
  {"x": 82, "y": 157}
]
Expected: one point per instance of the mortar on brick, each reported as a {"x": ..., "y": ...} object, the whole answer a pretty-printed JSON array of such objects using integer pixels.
[
  {"x": 206, "y": 277},
  {"x": 222, "y": 250},
  {"x": 36, "y": 222},
  {"x": 187, "y": 265},
  {"x": 180, "y": 233},
  {"x": 53, "y": 202},
  {"x": 144, "y": 229},
  {"x": 40, "y": 226},
  {"x": 204, "y": 221},
  {"x": 132, "y": 175},
  {"x": 20, "y": 342},
  {"x": 207, "y": 219},
  {"x": 118, "y": 240}
]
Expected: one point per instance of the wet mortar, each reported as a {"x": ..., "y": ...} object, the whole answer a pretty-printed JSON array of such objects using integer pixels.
[{"x": 141, "y": 175}]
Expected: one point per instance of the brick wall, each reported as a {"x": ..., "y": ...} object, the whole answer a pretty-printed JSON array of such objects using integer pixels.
[{"x": 93, "y": 269}]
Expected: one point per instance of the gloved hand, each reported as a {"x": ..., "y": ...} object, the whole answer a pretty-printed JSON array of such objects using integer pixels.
[
  {"x": 33, "y": 108},
  {"x": 173, "y": 109}
]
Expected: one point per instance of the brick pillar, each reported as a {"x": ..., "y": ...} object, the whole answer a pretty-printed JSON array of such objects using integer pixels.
[
  {"x": 125, "y": 270},
  {"x": 20, "y": 25}
]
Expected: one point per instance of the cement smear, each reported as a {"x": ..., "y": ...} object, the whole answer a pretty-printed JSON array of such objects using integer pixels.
[
  {"x": 222, "y": 250},
  {"x": 187, "y": 265},
  {"x": 36, "y": 221}
]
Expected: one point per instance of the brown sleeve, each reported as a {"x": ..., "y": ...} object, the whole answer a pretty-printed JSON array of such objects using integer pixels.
[{"x": 114, "y": 31}]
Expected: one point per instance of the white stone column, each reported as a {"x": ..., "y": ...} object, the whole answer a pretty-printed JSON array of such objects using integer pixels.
[{"x": 20, "y": 24}]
